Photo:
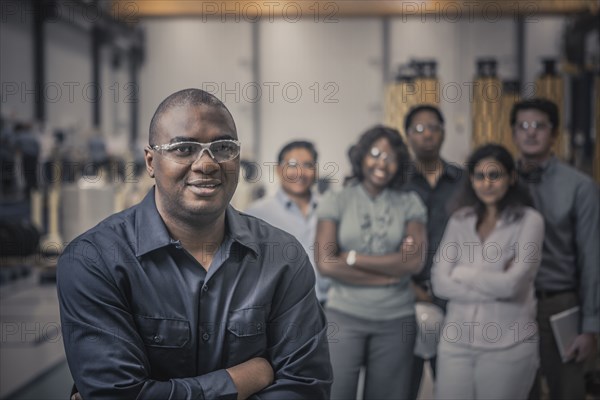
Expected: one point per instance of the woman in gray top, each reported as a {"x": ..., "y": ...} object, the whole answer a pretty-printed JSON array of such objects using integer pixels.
[
  {"x": 485, "y": 266},
  {"x": 370, "y": 239}
]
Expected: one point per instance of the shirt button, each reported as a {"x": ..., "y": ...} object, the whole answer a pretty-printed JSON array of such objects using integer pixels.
[
  {"x": 205, "y": 337},
  {"x": 259, "y": 327},
  {"x": 157, "y": 339}
]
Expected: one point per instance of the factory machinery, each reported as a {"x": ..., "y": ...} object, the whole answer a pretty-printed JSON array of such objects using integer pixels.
[{"x": 492, "y": 101}]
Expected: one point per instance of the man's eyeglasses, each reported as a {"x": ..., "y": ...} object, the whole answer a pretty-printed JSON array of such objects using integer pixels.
[
  {"x": 293, "y": 163},
  {"x": 188, "y": 152},
  {"x": 536, "y": 125},
  {"x": 420, "y": 128},
  {"x": 489, "y": 176},
  {"x": 377, "y": 154}
]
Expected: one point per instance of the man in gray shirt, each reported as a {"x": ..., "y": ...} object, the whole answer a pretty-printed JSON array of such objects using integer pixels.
[{"x": 570, "y": 271}]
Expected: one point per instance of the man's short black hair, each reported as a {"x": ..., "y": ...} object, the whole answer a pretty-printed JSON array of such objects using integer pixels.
[
  {"x": 298, "y": 144},
  {"x": 185, "y": 97},
  {"x": 543, "y": 105},
  {"x": 417, "y": 109}
]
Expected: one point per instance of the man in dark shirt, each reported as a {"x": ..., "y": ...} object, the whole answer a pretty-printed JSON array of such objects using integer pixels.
[
  {"x": 570, "y": 271},
  {"x": 435, "y": 181},
  {"x": 182, "y": 296}
]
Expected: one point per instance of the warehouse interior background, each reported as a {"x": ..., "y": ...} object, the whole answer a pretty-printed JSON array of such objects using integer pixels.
[{"x": 84, "y": 78}]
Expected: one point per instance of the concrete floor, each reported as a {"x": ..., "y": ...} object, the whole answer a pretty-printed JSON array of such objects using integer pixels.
[
  {"x": 55, "y": 384},
  {"x": 31, "y": 346}
]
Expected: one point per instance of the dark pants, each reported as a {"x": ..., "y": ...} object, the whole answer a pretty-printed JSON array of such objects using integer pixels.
[
  {"x": 417, "y": 374},
  {"x": 565, "y": 380},
  {"x": 384, "y": 348}
]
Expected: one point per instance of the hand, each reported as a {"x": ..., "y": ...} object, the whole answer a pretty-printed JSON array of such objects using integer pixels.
[
  {"x": 583, "y": 347},
  {"x": 76, "y": 396},
  {"x": 421, "y": 294}
]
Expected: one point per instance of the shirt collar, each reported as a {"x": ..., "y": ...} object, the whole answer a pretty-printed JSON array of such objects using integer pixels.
[
  {"x": 152, "y": 233},
  {"x": 535, "y": 174},
  {"x": 237, "y": 227},
  {"x": 285, "y": 199},
  {"x": 150, "y": 229},
  {"x": 452, "y": 171},
  {"x": 448, "y": 170},
  {"x": 382, "y": 195}
]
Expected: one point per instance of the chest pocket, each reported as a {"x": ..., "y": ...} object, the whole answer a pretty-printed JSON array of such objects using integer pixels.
[
  {"x": 246, "y": 334},
  {"x": 167, "y": 343}
]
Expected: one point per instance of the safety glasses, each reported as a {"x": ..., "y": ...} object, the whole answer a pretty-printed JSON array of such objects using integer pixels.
[
  {"x": 420, "y": 128},
  {"x": 188, "y": 152},
  {"x": 536, "y": 125},
  {"x": 378, "y": 154}
]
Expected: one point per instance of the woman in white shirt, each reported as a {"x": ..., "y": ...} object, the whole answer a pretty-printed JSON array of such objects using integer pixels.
[{"x": 485, "y": 266}]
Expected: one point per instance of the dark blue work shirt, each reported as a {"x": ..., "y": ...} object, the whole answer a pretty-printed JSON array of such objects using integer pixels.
[
  {"x": 436, "y": 200},
  {"x": 141, "y": 318}
]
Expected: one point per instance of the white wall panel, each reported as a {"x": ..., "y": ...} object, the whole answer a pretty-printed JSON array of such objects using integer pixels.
[
  {"x": 481, "y": 38},
  {"x": 339, "y": 61},
  {"x": 68, "y": 90},
  {"x": 413, "y": 38},
  {"x": 186, "y": 53},
  {"x": 328, "y": 86},
  {"x": 16, "y": 64},
  {"x": 118, "y": 91},
  {"x": 543, "y": 39}
]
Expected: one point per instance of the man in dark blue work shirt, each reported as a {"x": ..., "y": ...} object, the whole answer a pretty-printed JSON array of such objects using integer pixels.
[
  {"x": 182, "y": 296},
  {"x": 436, "y": 181}
]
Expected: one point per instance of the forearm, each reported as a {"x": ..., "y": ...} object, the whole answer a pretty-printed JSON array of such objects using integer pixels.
[
  {"x": 589, "y": 299},
  {"x": 445, "y": 287},
  {"x": 337, "y": 268},
  {"x": 298, "y": 342},
  {"x": 587, "y": 237},
  {"x": 392, "y": 265},
  {"x": 589, "y": 281},
  {"x": 501, "y": 285},
  {"x": 510, "y": 277},
  {"x": 251, "y": 377},
  {"x": 333, "y": 264},
  {"x": 214, "y": 385},
  {"x": 588, "y": 291},
  {"x": 409, "y": 259},
  {"x": 460, "y": 293}
]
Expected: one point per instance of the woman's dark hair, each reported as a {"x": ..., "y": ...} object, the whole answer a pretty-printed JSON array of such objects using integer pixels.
[
  {"x": 358, "y": 152},
  {"x": 516, "y": 197}
]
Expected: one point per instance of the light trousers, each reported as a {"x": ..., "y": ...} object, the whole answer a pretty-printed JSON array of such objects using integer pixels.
[
  {"x": 470, "y": 373},
  {"x": 384, "y": 348}
]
